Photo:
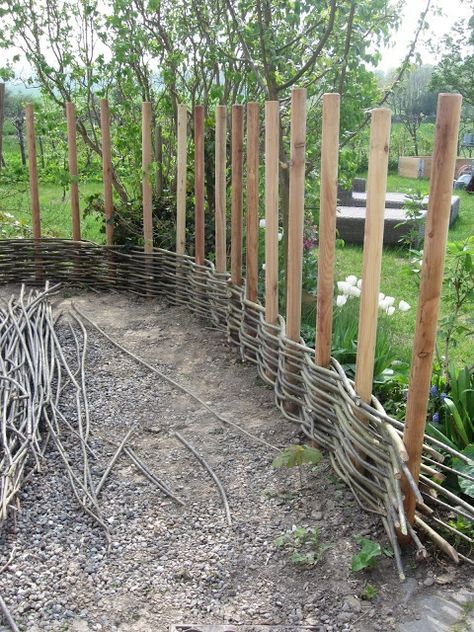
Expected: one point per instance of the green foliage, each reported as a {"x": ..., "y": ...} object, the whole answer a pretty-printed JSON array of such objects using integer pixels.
[
  {"x": 304, "y": 545},
  {"x": 459, "y": 292},
  {"x": 369, "y": 592},
  {"x": 466, "y": 485},
  {"x": 412, "y": 102},
  {"x": 344, "y": 341},
  {"x": 455, "y": 71},
  {"x": 297, "y": 455},
  {"x": 452, "y": 407},
  {"x": 464, "y": 525},
  {"x": 11, "y": 227},
  {"x": 414, "y": 219},
  {"x": 368, "y": 555}
]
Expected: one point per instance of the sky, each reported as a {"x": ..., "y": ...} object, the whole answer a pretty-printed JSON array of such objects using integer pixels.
[{"x": 451, "y": 10}]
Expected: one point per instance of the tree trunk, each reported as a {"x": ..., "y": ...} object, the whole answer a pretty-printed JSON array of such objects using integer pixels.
[{"x": 21, "y": 140}]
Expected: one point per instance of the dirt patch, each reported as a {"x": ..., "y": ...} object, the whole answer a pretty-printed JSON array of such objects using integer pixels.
[{"x": 170, "y": 564}]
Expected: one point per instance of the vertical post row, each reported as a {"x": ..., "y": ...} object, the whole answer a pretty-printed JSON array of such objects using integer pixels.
[
  {"x": 327, "y": 227},
  {"x": 236, "y": 203},
  {"x": 73, "y": 171},
  {"x": 32, "y": 170},
  {"x": 107, "y": 170},
  {"x": 296, "y": 213},
  {"x": 146, "y": 182},
  {"x": 252, "y": 202},
  {"x": 159, "y": 161},
  {"x": 373, "y": 246},
  {"x": 272, "y": 168},
  {"x": 436, "y": 232},
  {"x": 220, "y": 188},
  {"x": 181, "y": 132},
  {"x": 199, "y": 183}
]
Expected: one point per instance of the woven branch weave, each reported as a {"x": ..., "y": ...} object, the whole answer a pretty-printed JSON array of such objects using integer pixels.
[{"x": 364, "y": 444}]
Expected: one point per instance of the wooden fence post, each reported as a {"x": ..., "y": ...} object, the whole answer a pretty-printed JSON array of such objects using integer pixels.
[
  {"x": 146, "y": 181},
  {"x": 73, "y": 171},
  {"x": 2, "y": 114},
  {"x": 436, "y": 232},
  {"x": 327, "y": 228},
  {"x": 373, "y": 246},
  {"x": 252, "y": 201},
  {"x": 296, "y": 213},
  {"x": 272, "y": 169},
  {"x": 220, "y": 189},
  {"x": 107, "y": 170},
  {"x": 199, "y": 183},
  {"x": 181, "y": 132},
  {"x": 236, "y": 203},
  {"x": 32, "y": 170}
]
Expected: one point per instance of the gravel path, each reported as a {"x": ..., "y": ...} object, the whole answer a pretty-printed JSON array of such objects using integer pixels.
[{"x": 170, "y": 564}]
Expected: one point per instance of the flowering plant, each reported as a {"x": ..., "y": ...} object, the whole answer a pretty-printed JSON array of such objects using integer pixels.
[
  {"x": 345, "y": 331},
  {"x": 352, "y": 287}
]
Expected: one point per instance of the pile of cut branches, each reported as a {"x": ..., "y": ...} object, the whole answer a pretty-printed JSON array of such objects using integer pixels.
[{"x": 35, "y": 378}]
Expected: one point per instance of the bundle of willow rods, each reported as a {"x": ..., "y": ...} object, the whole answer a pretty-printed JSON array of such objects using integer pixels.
[{"x": 35, "y": 378}]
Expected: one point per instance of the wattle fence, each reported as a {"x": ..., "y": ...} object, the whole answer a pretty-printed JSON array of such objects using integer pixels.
[{"x": 390, "y": 466}]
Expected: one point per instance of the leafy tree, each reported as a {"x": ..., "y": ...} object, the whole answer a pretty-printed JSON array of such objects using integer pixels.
[
  {"x": 413, "y": 101},
  {"x": 212, "y": 51},
  {"x": 456, "y": 68}
]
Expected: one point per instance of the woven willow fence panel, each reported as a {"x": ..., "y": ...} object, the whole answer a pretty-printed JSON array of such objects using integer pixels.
[{"x": 364, "y": 444}]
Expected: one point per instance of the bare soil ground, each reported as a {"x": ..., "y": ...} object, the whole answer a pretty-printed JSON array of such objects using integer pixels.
[{"x": 169, "y": 564}]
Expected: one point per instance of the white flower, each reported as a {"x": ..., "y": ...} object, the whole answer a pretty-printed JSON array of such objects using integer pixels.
[
  {"x": 280, "y": 236},
  {"x": 263, "y": 266},
  {"x": 359, "y": 284},
  {"x": 389, "y": 301},
  {"x": 403, "y": 306},
  {"x": 343, "y": 287},
  {"x": 354, "y": 291},
  {"x": 262, "y": 223},
  {"x": 390, "y": 310},
  {"x": 381, "y": 297},
  {"x": 341, "y": 300},
  {"x": 382, "y": 304},
  {"x": 351, "y": 279}
]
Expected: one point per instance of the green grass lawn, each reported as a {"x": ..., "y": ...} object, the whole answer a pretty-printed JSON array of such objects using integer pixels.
[
  {"x": 396, "y": 279},
  {"x": 55, "y": 204},
  {"x": 55, "y": 208}
]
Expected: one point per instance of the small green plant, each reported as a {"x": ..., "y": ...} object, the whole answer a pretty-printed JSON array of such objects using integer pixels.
[
  {"x": 296, "y": 456},
  {"x": 466, "y": 485},
  {"x": 459, "y": 292},
  {"x": 414, "y": 219},
  {"x": 452, "y": 407},
  {"x": 369, "y": 592},
  {"x": 11, "y": 227},
  {"x": 368, "y": 555},
  {"x": 304, "y": 545}
]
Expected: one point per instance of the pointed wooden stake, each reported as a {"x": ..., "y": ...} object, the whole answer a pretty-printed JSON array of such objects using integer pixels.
[
  {"x": 220, "y": 189},
  {"x": 327, "y": 227},
  {"x": 73, "y": 171},
  {"x": 436, "y": 233},
  {"x": 252, "y": 201}
]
